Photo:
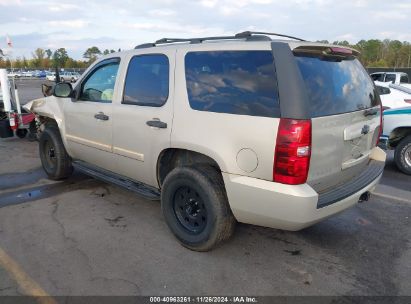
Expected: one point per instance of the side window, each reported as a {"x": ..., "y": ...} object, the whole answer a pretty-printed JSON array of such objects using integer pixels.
[
  {"x": 147, "y": 81},
  {"x": 377, "y": 77},
  {"x": 235, "y": 82},
  {"x": 390, "y": 77},
  {"x": 404, "y": 79},
  {"x": 99, "y": 85}
]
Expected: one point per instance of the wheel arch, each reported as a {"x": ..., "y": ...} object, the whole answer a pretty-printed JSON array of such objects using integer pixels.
[
  {"x": 171, "y": 158},
  {"x": 398, "y": 134}
]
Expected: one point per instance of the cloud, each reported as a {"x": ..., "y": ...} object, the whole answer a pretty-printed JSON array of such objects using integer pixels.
[
  {"x": 162, "y": 12},
  {"x": 77, "y": 23},
  {"x": 63, "y": 7},
  {"x": 173, "y": 27},
  {"x": 390, "y": 15},
  {"x": 131, "y": 22},
  {"x": 10, "y": 3}
]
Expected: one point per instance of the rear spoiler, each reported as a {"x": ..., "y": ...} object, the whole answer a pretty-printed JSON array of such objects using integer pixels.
[{"x": 325, "y": 50}]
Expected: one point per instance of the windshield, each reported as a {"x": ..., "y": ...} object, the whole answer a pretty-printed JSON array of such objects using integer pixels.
[{"x": 336, "y": 86}]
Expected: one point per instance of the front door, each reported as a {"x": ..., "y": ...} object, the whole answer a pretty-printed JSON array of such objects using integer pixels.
[
  {"x": 88, "y": 117},
  {"x": 142, "y": 120}
]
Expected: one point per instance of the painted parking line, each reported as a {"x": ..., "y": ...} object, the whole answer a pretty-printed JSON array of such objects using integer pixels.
[
  {"x": 391, "y": 197},
  {"x": 27, "y": 284}
]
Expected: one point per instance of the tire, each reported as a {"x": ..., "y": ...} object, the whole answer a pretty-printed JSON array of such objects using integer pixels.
[
  {"x": 61, "y": 79},
  {"x": 402, "y": 155},
  {"x": 195, "y": 207},
  {"x": 73, "y": 80},
  {"x": 21, "y": 133},
  {"x": 54, "y": 158}
]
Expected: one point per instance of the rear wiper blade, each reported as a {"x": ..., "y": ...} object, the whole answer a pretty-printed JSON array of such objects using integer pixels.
[{"x": 370, "y": 112}]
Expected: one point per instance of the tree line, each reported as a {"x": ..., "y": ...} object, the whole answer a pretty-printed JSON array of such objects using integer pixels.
[
  {"x": 48, "y": 59},
  {"x": 381, "y": 53},
  {"x": 374, "y": 53}
]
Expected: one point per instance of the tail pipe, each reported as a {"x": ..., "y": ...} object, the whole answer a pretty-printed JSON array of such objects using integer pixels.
[{"x": 364, "y": 197}]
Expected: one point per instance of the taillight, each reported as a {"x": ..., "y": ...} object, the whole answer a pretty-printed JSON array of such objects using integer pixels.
[
  {"x": 292, "y": 151},
  {"x": 407, "y": 100}
]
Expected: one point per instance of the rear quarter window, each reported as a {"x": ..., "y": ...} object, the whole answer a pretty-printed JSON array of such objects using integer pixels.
[
  {"x": 336, "y": 86},
  {"x": 404, "y": 79},
  {"x": 235, "y": 82}
]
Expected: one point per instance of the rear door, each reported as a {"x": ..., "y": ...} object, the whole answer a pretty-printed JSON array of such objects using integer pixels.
[
  {"x": 142, "y": 118},
  {"x": 345, "y": 112}
]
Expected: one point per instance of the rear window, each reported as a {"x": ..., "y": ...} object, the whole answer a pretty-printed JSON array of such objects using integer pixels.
[
  {"x": 235, "y": 82},
  {"x": 336, "y": 86}
]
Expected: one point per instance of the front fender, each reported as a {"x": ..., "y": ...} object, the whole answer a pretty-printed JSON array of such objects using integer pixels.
[{"x": 50, "y": 107}]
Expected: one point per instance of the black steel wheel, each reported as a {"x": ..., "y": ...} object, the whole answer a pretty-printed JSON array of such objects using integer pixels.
[
  {"x": 195, "y": 207},
  {"x": 190, "y": 210},
  {"x": 54, "y": 158},
  {"x": 50, "y": 154}
]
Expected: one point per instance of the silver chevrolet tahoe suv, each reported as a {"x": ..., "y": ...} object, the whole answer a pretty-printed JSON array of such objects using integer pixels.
[{"x": 277, "y": 133}]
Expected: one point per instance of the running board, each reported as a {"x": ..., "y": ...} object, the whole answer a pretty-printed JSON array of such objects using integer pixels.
[{"x": 144, "y": 190}]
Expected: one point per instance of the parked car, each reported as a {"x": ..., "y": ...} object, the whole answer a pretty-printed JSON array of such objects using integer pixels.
[
  {"x": 268, "y": 132},
  {"x": 393, "y": 96},
  {"x": 27, "y": 74},
  {"x": 51, "y": 76},
  {"x": 15, "y": 74},
  {"x": 397, "y": 136},
  {"x": 69, "y": 76},
  {"x": 40, "y": 74},
  {"x": 393, "y": 77}
]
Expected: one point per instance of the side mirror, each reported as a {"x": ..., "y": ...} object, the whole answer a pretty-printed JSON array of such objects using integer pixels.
[
  {"x": 46, "y": 90},
  {"x": 63, "y": 89}
]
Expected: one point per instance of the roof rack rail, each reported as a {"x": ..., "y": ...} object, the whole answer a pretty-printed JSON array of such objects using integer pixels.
[{"x": 248, "y": 35}]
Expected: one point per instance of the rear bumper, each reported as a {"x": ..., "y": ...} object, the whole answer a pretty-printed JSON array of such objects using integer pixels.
[
  {"x": 373, "y": 171},
  {"x": 288, "y": 207}
]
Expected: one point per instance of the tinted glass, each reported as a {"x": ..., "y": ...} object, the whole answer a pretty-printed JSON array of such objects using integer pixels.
[
  {"x": 336, "y": 86},
  {"x": 383, "y": 90},
  {"x": 99, "y": 86},
  {"x": 404, "y": 79},
  {"x": 390, "y": 77},
  {"x": 236, "y": 82},
  {"x": 147, "y": 81},
  {"x": 377, "y": 77}
]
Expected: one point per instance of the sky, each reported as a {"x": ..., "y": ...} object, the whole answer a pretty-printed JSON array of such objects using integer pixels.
[{"x": 109, "y": 24}]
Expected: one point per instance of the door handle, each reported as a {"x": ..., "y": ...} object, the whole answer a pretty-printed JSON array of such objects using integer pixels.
[
  {"x": 101, "y": 116},
  {"x": 157, "y": 124}
]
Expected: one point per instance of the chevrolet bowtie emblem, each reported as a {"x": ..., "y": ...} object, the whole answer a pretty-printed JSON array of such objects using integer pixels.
[{"x": 365, "y": 129}]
